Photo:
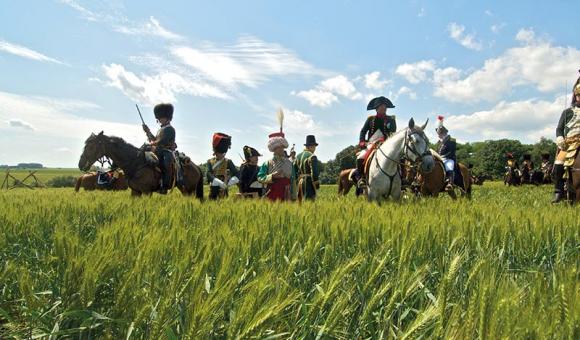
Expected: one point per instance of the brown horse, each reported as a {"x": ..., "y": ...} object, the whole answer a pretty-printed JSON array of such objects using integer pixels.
[
  {"x": 142, "y": 177},
  {"x": 89, "y": 181},
  {"x": 574, "y": 180},
  {"x": 344, "y": 182},
  {"x": 433, "y": 183}
]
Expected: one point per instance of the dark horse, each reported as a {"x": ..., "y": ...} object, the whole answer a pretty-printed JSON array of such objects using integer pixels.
[
  {"x": 142, "y": 177},
  {"x": 433, "y": 183},
  {"x": 89, "y": 181},
  {"x": 512, "y": 176},
  {"x": 573, "y": 183}
]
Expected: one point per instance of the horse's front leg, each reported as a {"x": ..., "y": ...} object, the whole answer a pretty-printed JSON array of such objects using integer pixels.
[{"x": 135, "y": 193}]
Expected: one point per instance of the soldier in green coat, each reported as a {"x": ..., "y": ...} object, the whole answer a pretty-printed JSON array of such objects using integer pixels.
[
  {"x": 307, "y": 171},
  {"x": 163, "y": 144}
]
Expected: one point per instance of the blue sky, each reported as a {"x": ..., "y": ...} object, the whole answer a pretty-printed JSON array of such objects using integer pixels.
[{"x": 494, "y": 69}]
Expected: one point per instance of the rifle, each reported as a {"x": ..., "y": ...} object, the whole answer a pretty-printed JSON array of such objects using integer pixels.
[{"x": 150, "y": 136}]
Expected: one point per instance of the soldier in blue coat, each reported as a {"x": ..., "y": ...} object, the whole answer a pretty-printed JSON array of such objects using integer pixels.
[
  {"x": 446, "y": 147},
  {"x": 163, "y": 144}
]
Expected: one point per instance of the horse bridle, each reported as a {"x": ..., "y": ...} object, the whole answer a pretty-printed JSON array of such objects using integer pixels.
[{"x": 406, "y": 148}]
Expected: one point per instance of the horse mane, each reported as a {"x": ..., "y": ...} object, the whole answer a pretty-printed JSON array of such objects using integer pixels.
[{"x": 120, "y": 142}]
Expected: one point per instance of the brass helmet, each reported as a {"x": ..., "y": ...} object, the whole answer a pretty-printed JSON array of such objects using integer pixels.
[{"x": 577, "y": 89}]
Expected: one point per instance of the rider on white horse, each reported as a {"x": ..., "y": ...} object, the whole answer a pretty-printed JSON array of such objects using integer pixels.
[
  {"x": 377, "y": 129},
  {"x": 446, "y": 149}
]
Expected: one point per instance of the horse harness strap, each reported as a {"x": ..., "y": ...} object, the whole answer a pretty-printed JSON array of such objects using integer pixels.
[{"x": 390, "y": 177}]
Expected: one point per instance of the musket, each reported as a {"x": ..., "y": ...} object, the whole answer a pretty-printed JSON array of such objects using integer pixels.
[{"x": 140, "y": 116}]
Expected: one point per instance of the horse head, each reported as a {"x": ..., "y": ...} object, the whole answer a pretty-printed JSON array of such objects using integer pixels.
[
  {"x": 417, "y": 146},
  {"x": 94, "y": 149}
]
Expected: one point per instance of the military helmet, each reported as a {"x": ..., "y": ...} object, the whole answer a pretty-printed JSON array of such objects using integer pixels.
[
  {"x": 163, "y": 110},
  {"x": 577, "y": 89}
]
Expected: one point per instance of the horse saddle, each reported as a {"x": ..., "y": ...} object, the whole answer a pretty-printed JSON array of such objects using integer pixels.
[
  {"x": 105, "y": 178},
  {"x": 151, "y": 158}
]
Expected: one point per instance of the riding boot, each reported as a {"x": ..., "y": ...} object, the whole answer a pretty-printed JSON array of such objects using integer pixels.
[
  {"x": 359, "y": 173},
  {"x": 558, "y": 183},
  {"x": 450, "y": 180}
]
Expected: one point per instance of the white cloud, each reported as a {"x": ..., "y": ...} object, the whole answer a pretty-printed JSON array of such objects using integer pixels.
[
  {"x": 404, "y": 90},
  {"x": 20, "y": 124},
  {"x": 162, "y": 87},
  {"x": 298, "y": 124},
  {"x": 422, "y": 12},
  {"x": 372, "y": 81},
  {"x": 527, "y": 120},
  {"x": 416, "y": 72},
  {"x": 25, "y": 52},
  {"x": 341, "y": 86},
  {"x": 457, "y": 33},
  {"x": 526, "y": 35},
  {"x": 150, "y": 28},
  {"x": 85, "y": 13},
  {"x": 56, "y": 118},
  {"x": 317, "y": 97},
  {"x": 496, "y": 28},
  {"x": 249, "y": 62},
  {"x": 326, "y": 92},
  {"x": 535, "y": 63}
]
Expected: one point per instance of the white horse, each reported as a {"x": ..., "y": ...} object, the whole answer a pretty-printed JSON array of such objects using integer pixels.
[{"x": 384, "y": 174}]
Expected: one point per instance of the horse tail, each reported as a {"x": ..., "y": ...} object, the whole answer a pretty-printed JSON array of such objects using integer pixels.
[
  {"x": 79, "y": 182},
  {"x": 340, "y": 184},
  {"x": 199, "y": 186}
]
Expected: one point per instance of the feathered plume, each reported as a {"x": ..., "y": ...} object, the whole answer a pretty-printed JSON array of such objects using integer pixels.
[
  {"x": 281, "y": 118},
  {"x": 440, "y": 120}
]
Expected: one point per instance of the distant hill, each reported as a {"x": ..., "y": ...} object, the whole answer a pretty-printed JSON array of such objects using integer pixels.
[{"x": 23, "y": 166}]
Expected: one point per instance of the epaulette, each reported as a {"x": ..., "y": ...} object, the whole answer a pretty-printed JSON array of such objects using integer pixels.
[{"x": 452, "y": 139}]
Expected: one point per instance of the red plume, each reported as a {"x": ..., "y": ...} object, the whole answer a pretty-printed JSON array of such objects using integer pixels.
[{"x": 440, "y": 118}]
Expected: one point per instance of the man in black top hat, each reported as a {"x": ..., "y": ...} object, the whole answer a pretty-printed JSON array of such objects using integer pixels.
[
  {"x": 163, "y": 144},
  {"x": 377, "y": 128},
  {"x": 249, "y": 183},
  {"x": 307, "y": 170}
]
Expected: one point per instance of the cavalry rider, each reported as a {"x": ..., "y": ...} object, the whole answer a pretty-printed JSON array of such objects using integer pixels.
[
  {"x": 221, "y": 172},
  {"x": 376, "y": 129},
  {"x": 528, "y": 161},
  {"x": 277, "y": 173},
  {"x": 567, "y": 138},
  {"x": 163, "y": 144},
  {"x": 446, "y": 148},
  {"x": 546, "y": 166},
  {"x": 249, "y": 173},
  {"x": 512, "y": 162},
  {"x": 307, "y": 171}
]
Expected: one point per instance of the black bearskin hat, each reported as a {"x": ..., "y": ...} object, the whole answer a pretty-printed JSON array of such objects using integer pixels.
[{"x": 163, "y": 111}]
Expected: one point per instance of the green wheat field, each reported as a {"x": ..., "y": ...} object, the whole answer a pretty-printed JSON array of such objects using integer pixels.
[{"x": 102, "y": 265}]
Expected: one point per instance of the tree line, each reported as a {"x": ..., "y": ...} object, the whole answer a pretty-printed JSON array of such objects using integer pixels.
[{"x": 487, "y": 157}]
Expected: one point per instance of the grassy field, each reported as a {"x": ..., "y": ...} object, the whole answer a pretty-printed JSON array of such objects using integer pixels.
[{"x": 101, "y": 265}]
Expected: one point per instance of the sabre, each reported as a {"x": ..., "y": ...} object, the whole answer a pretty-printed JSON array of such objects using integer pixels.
[
  {"x": 140, "y": 116},
  {"x": 150, "y": 136}
]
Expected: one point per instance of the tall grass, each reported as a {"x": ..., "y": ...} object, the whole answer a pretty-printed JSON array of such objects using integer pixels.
[{"x": 99, "y": 264}]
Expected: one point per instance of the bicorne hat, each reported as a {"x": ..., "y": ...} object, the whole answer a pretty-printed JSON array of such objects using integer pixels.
[
  {"x": 221, "y": 142},
  {"x": 250, "y": 152},
  {"x": 378, "y": 101},
  {"x": 163, "y": 110},
  {"x": 546, "y": 156}
]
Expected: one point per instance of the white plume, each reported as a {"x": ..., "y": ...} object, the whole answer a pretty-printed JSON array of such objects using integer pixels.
[{"x": 281, "y": 118}]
